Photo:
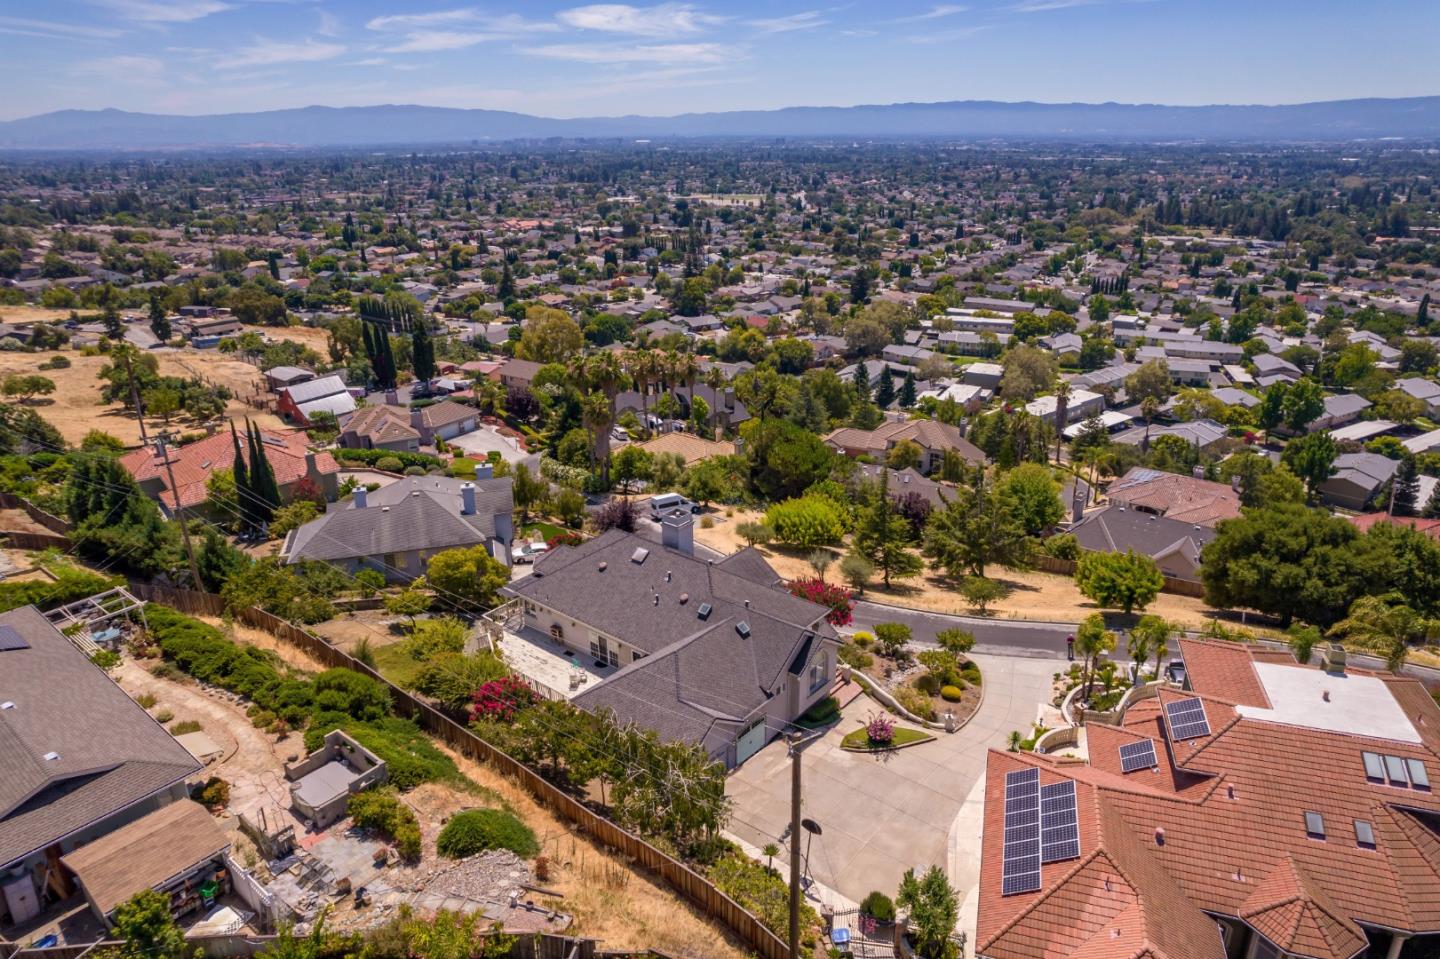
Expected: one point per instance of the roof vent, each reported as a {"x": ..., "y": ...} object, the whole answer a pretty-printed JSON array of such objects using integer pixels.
[
  {"x": 51, "y": 757},
  {"x": 639, "y": 555},
  {"x": 7, "y": 704},
  {"x": 657, "y": 599},
  {"x": 602, "y": 566},
  {"x": 384, "y": 509},
  {"x": 668, "y": 575},
  {"x": 684, "y": 598},
  {"x": 1230, "y": 791},
  {"x": 1159, "y": 835},
  {"x": 743, "y": 628}
]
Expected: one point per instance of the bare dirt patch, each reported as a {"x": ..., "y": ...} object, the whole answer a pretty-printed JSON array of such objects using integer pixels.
[
  {"x": 77, "y": 407},
  {"x": 1032, "y": 595}
]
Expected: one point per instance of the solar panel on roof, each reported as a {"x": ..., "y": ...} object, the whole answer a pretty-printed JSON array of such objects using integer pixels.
[
  {"x": 1138, "y": 755},
  {"x": 1187, "y": 719},
  {"x": 1021, "y": 866},
  {"x": 1059, "y": 823},
  {"x": 11, "y": 639}
]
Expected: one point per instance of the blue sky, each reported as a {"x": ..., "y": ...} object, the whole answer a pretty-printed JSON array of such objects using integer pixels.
[{"x": 569, "y": 59}]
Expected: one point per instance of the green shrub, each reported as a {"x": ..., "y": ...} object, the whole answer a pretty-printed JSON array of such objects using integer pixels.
[
  {"x": 760, "y": 891},
  {"x": 927, "y": 683},
  {"x": 476, "y": 830},
  {"x": 146, "y": 700},
  {"x": 215, "y": 794},
  {"x": 383, "y": 812},
  {"x": 915, "y": 702},
  {"x": 823, "y": 712},
  {"x": 863, "y": 639},
  {"x": 71, "y": 583},
  {"x": 106, "y": 659},
  {"x": 971, "y": 672},
  {"x": 389, "y": 464},
  {"x": 164, "y": 716},
  {"x": 374, "y": 458},
  {"x": 878, "y": 906},
  {"x": 807, "y": 521},
  {"x": 951, "y": 694},
  {"x": 854, "y": 657},
  {"x": 185, "y": 726}
]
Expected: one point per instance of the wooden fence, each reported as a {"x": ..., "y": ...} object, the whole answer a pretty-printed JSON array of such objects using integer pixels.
[
  {"x": 1066, "y": 567},
  {"x": 686, "y": 881}
]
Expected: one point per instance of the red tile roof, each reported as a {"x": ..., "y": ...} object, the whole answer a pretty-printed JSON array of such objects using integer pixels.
[
  {"x": 194, "y": 462},
  {"x": 1184, "y": 498},
  {"x": 1221, "y": 829}
]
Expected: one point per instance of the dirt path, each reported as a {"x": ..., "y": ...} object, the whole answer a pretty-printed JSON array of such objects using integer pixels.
[{"x": 252, "y": 761}]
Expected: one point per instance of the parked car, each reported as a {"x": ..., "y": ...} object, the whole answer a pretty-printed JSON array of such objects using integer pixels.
[{"x": 669, "y": 502}]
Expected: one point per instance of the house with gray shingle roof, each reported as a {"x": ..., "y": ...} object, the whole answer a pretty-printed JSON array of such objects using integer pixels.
[
  {"x": 716, "y": 654},
  {"x": 78, "y": 760},
  {"x": 397, "y": 528}
]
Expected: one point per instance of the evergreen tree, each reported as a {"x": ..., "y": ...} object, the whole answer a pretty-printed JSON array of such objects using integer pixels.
[
  {"x": 1406, "y": 495},
  {"x": 907, "y": 391},
  {"x": 265, "y": 493},
  {"x": 1422, "y": 315},
  {"x": 506, "y": 288},
  {"x": 422, "y": 349},
  {"x": 882, "y": 535},
  {"x": 244, "y": 494},
  {"x": 387, "y": 349},
  {"x": 860, "y": 285},
  {"x": 1432, "y": 506},
  {"x": 862, "y": 381},
  {"x": 159, "y": 320},
  {"x": 885, "y": 388}
]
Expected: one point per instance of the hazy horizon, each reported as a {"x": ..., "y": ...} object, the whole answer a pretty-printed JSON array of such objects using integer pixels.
[{"x": 566, "y": 60}]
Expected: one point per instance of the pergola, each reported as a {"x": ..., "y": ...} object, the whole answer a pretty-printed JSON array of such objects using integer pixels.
[{"x": 82, "y": 619}]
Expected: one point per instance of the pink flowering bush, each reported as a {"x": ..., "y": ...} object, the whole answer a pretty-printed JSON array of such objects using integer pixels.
[
  {"x": 501, "y": 699},
  {"x": 838, "y": 598},
  {"x": 880, "y": 730}
]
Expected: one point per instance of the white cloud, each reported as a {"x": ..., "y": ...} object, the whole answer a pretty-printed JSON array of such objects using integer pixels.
[
  {"x": 427, "y": 41},
  {"x": 329, "y": 24},
  {"x": 947, "y": 36},
  {"x": 663, "y": 53},
  {"x": 24, "y": 26},
  {"x": 435, "y": 18},
  {"x": 265, "y": 52},
  {"x": 808, "y": 20},
  {"x": 121, "y": 67},
  {"x": 165, "y": 11},
  {"x": 1043, "y": 6},
  {"x": 664, "y": 20},
  {"x": 934, "y": 13}
]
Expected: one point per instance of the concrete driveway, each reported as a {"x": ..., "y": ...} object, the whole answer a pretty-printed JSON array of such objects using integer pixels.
[{"x": 884, "y": 814}]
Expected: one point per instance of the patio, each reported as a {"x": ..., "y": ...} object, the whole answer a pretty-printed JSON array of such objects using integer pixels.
[{"x": 559, "y": 671}]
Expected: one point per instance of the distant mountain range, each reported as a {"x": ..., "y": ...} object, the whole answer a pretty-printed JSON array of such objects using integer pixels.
[{"x": 1335, "y": 120}]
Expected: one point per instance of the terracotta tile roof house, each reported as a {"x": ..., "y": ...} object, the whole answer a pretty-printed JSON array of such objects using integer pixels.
[
  {"x": 193, "y": 463},
  {"x": 1269, "y": 809},
  {"x": 693, "y": 448},
  {"x": 397, "y": 528},
  {"x": 1174, "y": 545},
  {"x": 78, "y": 759},
  {"x": 1187, "y": 499},
  {"x": 711, "y": 653},
  {"x": 933, "y": 437}
]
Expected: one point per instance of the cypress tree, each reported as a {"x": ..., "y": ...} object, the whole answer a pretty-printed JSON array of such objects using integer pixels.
[
  {"x": 262, "y": 479},
  {"x": 389, "y": 358},
  {"x": 1422, "y": 315},
  {"x": 1407, "y": 488},
  {"x": 244, "y": 493},
  {"x": 422, "y": 348}
]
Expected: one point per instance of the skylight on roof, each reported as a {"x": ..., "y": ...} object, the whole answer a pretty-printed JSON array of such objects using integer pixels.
[
  {"x": 1314, "y": 825},
  {"x": 1364, "y": 834},
  {"x": 1397, "y": 771},
  {"x": 743, "y": 628},
  {"x": 704, "y": 611},
  {"x": 639, "y": 555}
]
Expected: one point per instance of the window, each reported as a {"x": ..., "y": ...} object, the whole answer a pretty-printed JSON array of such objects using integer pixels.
[
  {"x": 819, "y": 675},
  {"x": 1264, "y": 948},
  {"x": 1314, "y": 825},
  {"x": 1374, "y": 767},
  {"x": 1364, "y": 834},
  {"x": 1419, "y": 778},
  {"x": 1395, "y": 769}
]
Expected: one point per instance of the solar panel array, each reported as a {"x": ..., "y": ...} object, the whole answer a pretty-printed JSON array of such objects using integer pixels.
[
  {"x": 1059, "y": 823},
  {"x": 1021, "y": 871},
  {"x": 1187, "y": 719},
  {"x": 1042, "y": 825},
  {"x": 1137, "y": 755},
  {"x": 10, "y": 638}
]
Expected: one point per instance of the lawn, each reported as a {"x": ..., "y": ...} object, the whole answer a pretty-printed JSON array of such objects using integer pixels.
[
  {"x": 859, "y": 740},
  {"x": 547, "y": 531},
  {"x": 395, "y": 663}
]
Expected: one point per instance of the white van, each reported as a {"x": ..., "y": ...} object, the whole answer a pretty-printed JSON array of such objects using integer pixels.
[{"x": 668, "y": 503}]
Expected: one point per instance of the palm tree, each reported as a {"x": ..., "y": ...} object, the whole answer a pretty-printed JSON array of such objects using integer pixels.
[
  {"x": 687, "y": 371},
  {"x": 1062, "y": 413},
  {"x": 715, "y": 379},
  {"x": 600, "y": 376},
  {"x": 1093, "y": 640},
  {"x": 1148, "y": 408},
  {"x": 1154, "y": 633},
  {"x": 1386, "y": 625}
]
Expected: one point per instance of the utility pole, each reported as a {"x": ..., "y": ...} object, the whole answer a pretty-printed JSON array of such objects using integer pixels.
[
  {"x": 135, "y": 398},
  {"x": 794, "y": 740},
  {"x": 180, "y": 512}
]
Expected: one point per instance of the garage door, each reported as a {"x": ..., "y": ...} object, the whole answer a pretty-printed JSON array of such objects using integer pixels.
[{"x": 750, "y": 741}]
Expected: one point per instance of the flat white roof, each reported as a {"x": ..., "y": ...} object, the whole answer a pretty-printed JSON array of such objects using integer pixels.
[{"x": 1358, "y": 705}]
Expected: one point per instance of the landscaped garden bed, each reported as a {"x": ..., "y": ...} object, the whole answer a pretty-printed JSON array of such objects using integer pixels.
[
  {"x": 929, "y": 684},
  {"x": 880, "y": 734}
]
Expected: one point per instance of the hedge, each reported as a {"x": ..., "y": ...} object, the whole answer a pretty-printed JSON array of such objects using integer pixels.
[
  {"x": 371, "y": 457},
  {"x": 387, "y": 815},
  {"x": 72, "y": 583}
]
